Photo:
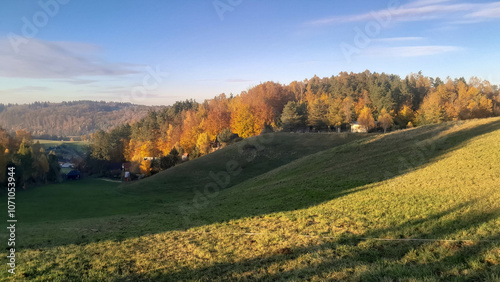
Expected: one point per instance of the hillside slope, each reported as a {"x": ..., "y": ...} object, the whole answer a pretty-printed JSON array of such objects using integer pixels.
[
  {"x": 255, "y": 155},
  {"x": 70, "y": 118},
  {"x": 376, "y": 208}
]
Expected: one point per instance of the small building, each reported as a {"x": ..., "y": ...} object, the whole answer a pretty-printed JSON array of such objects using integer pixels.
[
  {"x": 67, "y": 165},
  {"x": 357, "y": 128}
]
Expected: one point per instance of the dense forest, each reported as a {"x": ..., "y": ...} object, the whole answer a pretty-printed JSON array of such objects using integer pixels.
[
  {"x": 317, "y": 104},
  {"x": 77, "y": 118}
]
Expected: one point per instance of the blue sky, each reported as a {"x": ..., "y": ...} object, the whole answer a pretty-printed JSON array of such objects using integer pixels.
[{"x": 158, "y": 52}]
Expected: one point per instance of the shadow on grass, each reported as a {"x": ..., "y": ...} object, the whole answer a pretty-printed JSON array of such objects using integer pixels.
[
  {"x": 303, "y": 183},
  {"x": 332, "y": 174},
  {"x": 359, "y": 260}
]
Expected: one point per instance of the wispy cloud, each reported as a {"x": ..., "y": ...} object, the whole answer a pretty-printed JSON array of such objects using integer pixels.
[
  {"x": 25, "y": 89},
  {"x": 410, "y": 51},
  {"x": 238, "y": 80},
  {"x": 66, "y": 60},
  {"x": 79, "y": 81},
  {"x": 398, "y": 39},
  {"x": 422, "y": 10},
  {"x": 491, "y": 10}
]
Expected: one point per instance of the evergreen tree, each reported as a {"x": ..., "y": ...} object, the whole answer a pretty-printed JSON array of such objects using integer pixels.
[
  {"x": 294, "y": 115},
  {"x": 317, "y": 117}
]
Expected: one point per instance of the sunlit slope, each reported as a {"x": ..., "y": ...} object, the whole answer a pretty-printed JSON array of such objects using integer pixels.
[
  {"x": 94, "y": 210},
  {"x": 321, "y": 217},
  {"x": 354, "y": 166},
  {"x": 255, "y": 155}
]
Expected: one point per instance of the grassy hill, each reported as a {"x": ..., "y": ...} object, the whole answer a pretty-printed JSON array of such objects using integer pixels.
[{"x": 419, "y": 204}]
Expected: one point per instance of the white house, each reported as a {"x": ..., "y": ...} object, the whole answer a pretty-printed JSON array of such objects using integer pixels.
[
  {"x": 357, "y": 128},
  {"x": 67, "y": 165}
]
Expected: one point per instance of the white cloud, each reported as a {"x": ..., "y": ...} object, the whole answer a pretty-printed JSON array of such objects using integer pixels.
[
  {"x": 491, "y": 10},
  {"x": 44, "y": 59},
  {"x": 410, "y": 51},
  {"x": 422, "y": 10}
]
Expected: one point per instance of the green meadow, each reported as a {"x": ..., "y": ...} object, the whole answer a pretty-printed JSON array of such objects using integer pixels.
[
  {"x": 421, "y": 204},
  {"x": 75, "y": 145}
]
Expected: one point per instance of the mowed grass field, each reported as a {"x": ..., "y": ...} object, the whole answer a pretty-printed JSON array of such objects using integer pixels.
[
  {"x": 413, "y": 205},
  {"x": 75, "y": 145}
]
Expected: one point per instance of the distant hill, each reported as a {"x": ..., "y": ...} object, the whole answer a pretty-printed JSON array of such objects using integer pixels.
[{"x": 69, "y": 118}]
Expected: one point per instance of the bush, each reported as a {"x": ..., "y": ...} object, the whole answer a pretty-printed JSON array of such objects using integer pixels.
[
  {"x": 168, "y": 161},
  {"x": 226, "y": 136}
]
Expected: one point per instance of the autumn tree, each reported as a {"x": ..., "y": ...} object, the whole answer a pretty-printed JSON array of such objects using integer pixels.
[
  {"x": 5, "y": 140},
  {"x": 405, "y": 116},
  {"x": 348, "y": 109},
  {"x": 365, "y": 119},
  {"x": 385, "y": 120},
  {"x": 203, "y": 143},
  {"x": 145, "y": 167},
  {"x": 218, "y": 116},
  {"x": 190, "y": 130},
  {"x": 243, "y": 121},
  {"x": 433, "y": 109}
]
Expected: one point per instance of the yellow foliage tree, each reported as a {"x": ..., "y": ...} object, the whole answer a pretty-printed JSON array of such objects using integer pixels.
[
  {"x": 385, "y": 120},
  {"x": 146, "y": 167},
  {"x": 190, "y": 130},
  {"x": 365, "y": 118},
  {"x": 203, "y": 143},
  {"x": 405, "y": 115},
  {"x": 243, "y": 121}
]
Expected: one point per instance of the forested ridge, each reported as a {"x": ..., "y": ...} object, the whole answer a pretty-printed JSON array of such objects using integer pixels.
[
  {"x": 155, "y": 138},
  {"x": 372, "y": 99},
  {"x": 69, "y": 118}
]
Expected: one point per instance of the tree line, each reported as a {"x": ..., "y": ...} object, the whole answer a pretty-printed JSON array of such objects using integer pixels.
[
  {"x": 33, "y": 164},
  {"x": 330, "y": 103}
]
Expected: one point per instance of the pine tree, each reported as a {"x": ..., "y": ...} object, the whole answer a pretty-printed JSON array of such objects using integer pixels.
[
  {"x": 294, "y": 115},
  {"x": 317, "y": 117}
]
